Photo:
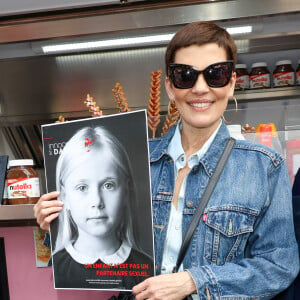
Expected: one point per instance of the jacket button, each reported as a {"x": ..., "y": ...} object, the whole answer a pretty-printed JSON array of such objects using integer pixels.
[
  {"x": 190, "y": 204},
  {"x": 195, "y": 170}
]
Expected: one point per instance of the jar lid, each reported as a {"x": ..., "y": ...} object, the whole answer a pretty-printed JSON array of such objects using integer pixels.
[
  {"x": 284, "y": 62},
  {"x": 259, "y": 64},
  {"x": 241, "y": 66},
  {"x": 20, "y": 162}
]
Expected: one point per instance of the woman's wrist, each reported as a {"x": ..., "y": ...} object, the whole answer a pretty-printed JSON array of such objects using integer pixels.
[{"x": 190, "y": 283}]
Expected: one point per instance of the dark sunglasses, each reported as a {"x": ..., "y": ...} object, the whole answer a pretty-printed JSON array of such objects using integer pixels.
[{"x": 215, "y": 75}]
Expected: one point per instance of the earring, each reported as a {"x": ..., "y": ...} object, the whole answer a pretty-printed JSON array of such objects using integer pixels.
[{"x": 235, "y": 112}]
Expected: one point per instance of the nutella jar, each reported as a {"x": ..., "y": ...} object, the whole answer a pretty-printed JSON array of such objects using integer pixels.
[
  {"x": 23, "y": 186},
  {"x": 259, "y": 76},
  {"x": 284, "y": 74},
  {"x": 298, "y": 73},
  {"x": 242, "y": 77}
]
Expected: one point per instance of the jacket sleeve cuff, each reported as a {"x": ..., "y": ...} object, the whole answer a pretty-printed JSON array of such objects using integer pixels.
[{"x": 205, "y": 281}]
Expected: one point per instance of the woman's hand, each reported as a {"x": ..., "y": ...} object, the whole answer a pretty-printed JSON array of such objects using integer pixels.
[
  {"x": 47, "y": 209},
  {"x": 168, "y": 287}
]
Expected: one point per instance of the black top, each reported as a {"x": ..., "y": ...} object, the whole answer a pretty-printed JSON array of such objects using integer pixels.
[{"x": 70, "y": 274}]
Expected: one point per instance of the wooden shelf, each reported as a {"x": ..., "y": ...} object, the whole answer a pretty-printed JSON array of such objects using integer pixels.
[{"x": 17, "y": 215}]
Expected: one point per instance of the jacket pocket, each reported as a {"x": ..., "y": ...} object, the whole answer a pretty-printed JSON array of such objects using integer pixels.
[{"x": 226, "y": 233}]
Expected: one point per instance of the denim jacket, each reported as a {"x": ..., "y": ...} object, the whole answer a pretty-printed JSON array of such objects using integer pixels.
[{"x": 244, "y": 247}]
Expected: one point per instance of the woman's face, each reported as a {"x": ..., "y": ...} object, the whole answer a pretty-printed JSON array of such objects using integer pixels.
[
  {"x": 94, "y": 193},
  {"x": 201, "y": 106}
]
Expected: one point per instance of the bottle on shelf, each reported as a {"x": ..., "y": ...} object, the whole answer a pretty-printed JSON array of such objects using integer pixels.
[
  {"x": 22, "y": 182},
  {"x": 242, "y": 77},
  {"x": 260, "y": 76},
  {"x": 284, "y": 74}
]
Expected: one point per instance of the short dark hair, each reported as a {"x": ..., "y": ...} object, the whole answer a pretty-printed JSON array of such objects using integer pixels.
[{"x": 200, "y": 33}]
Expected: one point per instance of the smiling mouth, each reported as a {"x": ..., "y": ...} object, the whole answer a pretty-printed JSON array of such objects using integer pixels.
[{"x": 201, "y": 105}]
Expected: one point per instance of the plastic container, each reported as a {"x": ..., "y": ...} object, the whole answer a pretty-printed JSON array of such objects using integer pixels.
[
  {"x": 284, "y": 74},
  {"x": 266, "y": 134},
  {"x": 235, "y": 131},
  {"x": 22, "y": 181},
  {"x": 259, "y": 77}
]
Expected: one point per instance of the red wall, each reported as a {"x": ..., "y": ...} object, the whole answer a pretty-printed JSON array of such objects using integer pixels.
[{"x": 25, "y": 280}]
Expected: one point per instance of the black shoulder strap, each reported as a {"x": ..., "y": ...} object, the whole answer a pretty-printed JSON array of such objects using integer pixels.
[{"x": 203, "y": 202}]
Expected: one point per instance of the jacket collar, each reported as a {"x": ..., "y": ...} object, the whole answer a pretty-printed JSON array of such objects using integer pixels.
[
  {"x": 161, "y": 145},
  {"x": 210, "y": 158}
]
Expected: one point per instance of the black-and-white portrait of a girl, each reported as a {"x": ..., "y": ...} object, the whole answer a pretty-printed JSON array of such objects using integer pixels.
[{"x": 102, "y": 238}]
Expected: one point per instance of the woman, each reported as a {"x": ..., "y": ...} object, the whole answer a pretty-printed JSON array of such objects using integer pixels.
[
  {"x": 244, "y": 247},
  {"x": 95, "y": 227}
]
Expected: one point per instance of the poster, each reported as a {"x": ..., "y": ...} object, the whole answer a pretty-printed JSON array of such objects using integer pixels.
[
  {"x": 42, "y": 252},
  {"x": 4, "y": 288},
  {"x": 3, "y": 168},
  {"x": 102, "y": 238}
]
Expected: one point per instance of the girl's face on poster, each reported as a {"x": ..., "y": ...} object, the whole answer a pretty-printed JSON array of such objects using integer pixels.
[{"x": 95, "y": 194}]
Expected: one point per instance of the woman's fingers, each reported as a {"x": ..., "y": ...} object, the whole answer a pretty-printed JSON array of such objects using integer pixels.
[
  {"x": 172, "y": 286},
  {"x": 47, "y": 197},
  {"x": 44, "y": 213},
  {"x": 47, "y": 209},
  {"x": 45, "y": 223}
]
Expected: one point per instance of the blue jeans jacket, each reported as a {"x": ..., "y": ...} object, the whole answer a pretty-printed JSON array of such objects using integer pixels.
[{"x": 245, "y": 247}]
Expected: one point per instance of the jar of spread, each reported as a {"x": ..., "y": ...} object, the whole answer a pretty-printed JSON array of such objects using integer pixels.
[
  {"x": 23, "y": 186},
  {"x": 284, "y": 74},
  {"x": 260, "y": 76},
  {"x": 242, "y": 77},
  {"x": 298, "y": 73}
]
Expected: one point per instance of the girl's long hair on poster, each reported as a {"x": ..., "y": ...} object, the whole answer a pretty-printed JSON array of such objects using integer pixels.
[{"x": 76, "y": 153}]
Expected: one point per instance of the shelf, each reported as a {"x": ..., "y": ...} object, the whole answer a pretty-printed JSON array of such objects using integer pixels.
[
  {"x": 268, "y": 94},
  {"x": 17, "y": 215}
]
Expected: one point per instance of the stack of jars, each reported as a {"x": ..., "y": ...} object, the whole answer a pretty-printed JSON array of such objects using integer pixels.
[{"x": 260, "y": 76}]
